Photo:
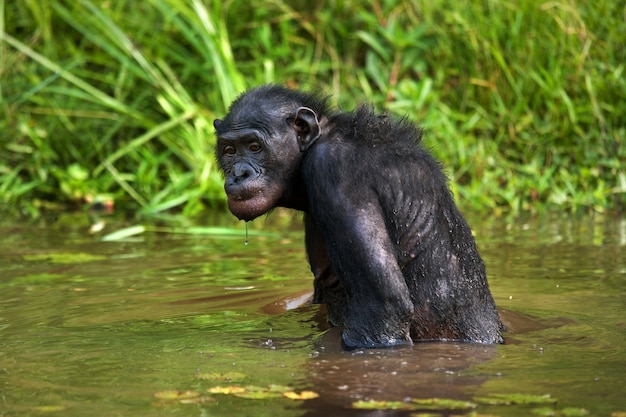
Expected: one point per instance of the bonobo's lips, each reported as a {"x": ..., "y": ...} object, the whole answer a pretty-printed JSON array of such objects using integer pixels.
[{"x": 248, "y": 204}]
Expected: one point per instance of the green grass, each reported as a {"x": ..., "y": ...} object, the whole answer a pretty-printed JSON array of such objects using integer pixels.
[{"x": 524, "y": 103}]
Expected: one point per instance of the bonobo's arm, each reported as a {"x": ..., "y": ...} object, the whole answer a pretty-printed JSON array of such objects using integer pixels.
[
  {"x": 378, "y": 309},
  {"x": 328, "y": 289}
]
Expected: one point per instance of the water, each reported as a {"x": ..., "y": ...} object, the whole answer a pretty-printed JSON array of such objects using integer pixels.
[{"x": 128, "y": 327}]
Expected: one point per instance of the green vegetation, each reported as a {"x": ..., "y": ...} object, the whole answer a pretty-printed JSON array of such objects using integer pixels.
[{"x": 525, "y": 102}]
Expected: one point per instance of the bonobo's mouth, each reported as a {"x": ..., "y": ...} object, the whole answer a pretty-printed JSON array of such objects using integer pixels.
[
  {"x": 249, "y": 208},
  {"x": 249, "y": 203}
]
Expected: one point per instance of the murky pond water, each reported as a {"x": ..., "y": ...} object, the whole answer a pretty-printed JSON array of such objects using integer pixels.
[{"x": 150, "y": 324}]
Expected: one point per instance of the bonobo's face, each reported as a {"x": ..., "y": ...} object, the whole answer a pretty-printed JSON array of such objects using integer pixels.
[
  {"x": 258, "y": 152},
  {"x": 260, "y": 144}
]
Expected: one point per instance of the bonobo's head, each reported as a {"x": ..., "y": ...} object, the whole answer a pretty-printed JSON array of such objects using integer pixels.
[{"x": 260, "y": 144}]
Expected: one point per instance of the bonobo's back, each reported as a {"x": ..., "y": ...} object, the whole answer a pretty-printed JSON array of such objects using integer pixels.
[{"x": 364, "y": 125}]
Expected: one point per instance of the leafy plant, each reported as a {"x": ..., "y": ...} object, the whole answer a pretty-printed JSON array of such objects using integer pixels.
[{"x": 524, "y": 102}]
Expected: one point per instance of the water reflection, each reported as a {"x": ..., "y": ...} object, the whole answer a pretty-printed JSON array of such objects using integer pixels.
[{"x": 424, "y": 370}]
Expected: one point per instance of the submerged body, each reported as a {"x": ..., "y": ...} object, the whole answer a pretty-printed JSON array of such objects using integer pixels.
[{"x": 393, "y": 258}]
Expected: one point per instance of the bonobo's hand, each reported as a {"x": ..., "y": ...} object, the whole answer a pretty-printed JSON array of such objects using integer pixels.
[{"x": 379, "y": 325}]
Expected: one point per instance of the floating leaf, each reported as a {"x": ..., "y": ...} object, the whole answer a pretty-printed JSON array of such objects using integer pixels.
[
  {"x": 197, "y": 400},
  {"x": 566, "y": 412},
  {"x": 258, "y": 395},
  {"x": 169, "y": 397},
  {"x": 166, "y": 395},
  {"x": 509, "y": 399},
  {"x": 545, "y": 412},
  {"x": 444, "y": 404},
  {"x": 304, "y": 395},
  {"x": 65, "y": 258},
  {"x": 574, "y": 412},
  {"x": 255, "y": 388},
  {"x": 226, "y": 390},
  {"x": 49, "y": 408},
  {"x": 221, "y": 376},
  {"x": 382, "y": 405},
  {"x": 279, "y": 388},
  {"x": 438, "y": 414},
  {"x": 416, "y": 404},
  {"x": 36, "y": 278},
  {"x": 253, "y": 392},
  {"x": 175, "y": 395}
]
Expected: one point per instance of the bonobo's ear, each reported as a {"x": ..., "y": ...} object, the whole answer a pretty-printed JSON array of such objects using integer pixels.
[
  {"x": 307, "y": 127},
  {"x": 217, "y": 123}
]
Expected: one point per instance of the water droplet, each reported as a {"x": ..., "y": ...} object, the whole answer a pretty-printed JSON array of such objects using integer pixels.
[{"x": 246, "y": 242}]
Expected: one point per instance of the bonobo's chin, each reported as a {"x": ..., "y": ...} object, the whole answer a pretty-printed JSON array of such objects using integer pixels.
[{"x": 250, "y": 208}]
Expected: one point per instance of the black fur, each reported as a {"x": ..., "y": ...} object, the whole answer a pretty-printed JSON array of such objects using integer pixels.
[{"x": 392, "y": 256}]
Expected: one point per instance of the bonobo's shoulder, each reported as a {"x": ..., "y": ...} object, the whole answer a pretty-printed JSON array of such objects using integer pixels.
[{"x": 365, "y": 125}]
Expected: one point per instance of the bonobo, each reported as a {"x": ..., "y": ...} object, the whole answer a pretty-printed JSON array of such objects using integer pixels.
[{"x": 393, "y": 259}]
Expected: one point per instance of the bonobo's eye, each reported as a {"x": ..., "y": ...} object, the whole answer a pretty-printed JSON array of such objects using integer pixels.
[
  {"x": 254, "y": 147},
  {"x": 229, "y": 150}
]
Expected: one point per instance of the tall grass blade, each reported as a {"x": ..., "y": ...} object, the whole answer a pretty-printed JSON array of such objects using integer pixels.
[{"x": 96, "y": 95}]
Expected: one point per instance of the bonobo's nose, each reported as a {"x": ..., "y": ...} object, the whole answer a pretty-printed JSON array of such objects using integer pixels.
[{"x": 241, "y": 171}]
